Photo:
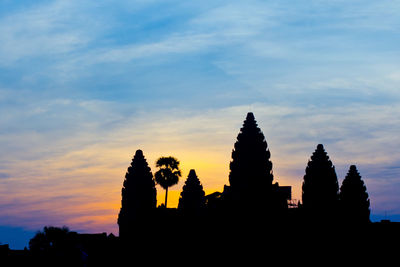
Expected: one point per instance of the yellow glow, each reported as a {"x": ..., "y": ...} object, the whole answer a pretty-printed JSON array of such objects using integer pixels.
[{"x": 92, "y": 177}]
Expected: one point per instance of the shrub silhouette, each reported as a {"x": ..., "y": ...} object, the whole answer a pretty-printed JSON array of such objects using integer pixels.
[
  {"x": 354, "y": 201},
  {"x": 139, "y": 195},
  {"x": 168, "y": 173},
  {"x": 320, "y": 186},
  {"x": 192, "y": 200},
  {"x": 250, "y": 174}
]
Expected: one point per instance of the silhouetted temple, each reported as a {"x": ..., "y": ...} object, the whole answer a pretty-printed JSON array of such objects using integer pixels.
[
  {"x": 320, "y": 187},
  {"x": 354, "y": 199},
  {"x": 250, "y": 176},
  {"x": 192, "y": 200},
  {"x": 139, "y": 196},
  {"x": 251, "y": 189},
  {"x": 253, "y": 216}
]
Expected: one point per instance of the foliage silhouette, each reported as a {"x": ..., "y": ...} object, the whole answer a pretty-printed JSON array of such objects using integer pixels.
[
  {"x": 55, "y": 246},
  {"x": 320, "y": 187},
  {"x": 139, "y": 195},
  {"x": 168, "y": 173},
  {"x": 354, "y": 199},
  {"x": 250, "y": 174},
  {"x": 49, "y": 239},
  {"x": 192, "y": 200}
]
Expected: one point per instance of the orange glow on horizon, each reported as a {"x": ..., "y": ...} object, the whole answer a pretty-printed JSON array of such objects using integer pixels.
[{"x": 92, "y": 188}]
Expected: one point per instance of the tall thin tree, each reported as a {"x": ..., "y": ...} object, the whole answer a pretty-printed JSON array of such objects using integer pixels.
[
  {"x": 168, "y": 173},
  {"x": 354, "y": 199}
]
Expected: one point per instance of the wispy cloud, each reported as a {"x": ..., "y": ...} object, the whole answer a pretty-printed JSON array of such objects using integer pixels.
[
  {"x": 47, "y": 30},
  {"x": 179, "y": 44}
]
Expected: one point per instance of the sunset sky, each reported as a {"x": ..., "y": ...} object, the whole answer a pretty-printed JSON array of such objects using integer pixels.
[{"x": 84, "y": 84}]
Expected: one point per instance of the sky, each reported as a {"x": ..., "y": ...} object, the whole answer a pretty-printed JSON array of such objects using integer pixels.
[{"x": 84, "y": 84}]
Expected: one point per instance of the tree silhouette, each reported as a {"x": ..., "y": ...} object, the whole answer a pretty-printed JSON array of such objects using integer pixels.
[
  {"x": 354, "y": 201},
  {"x": 192, "y": 199},
  {"x": 55, "y": 246},
  {"x": 320, "y": 186},
  {"x": 250, "y": 174},
  {"x": 168, "y": 173},
  {"x": 51, "y": 238},
  {"x": 139, "y": 195}
]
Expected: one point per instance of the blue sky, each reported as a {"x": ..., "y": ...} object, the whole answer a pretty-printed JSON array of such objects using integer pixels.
[{"x": 84, "y": 84}]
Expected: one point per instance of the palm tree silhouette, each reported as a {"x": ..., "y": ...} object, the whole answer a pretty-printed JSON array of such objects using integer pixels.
[{"x": 168, "y": 173}]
